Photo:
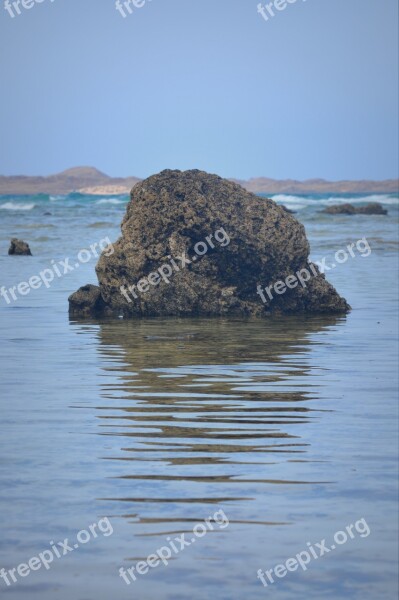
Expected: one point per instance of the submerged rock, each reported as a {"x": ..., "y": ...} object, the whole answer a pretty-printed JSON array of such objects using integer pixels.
[
  {"x": 19, "y": 247},
  {"x": 196, "y": 244},
  {"x": 373, "y": 208}
]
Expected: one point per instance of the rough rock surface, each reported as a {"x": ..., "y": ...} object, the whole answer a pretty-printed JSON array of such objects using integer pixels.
[
  {"x": 87, "y": 302},
  {"x": 167, "y": 216},
  {"x": 373, "y": 208},
  {"x": 18, "y": 247}
]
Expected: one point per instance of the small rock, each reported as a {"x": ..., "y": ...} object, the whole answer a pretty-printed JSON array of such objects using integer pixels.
[
  {"x": 373, "y": 208},
  {"x": 20, "y": 248}
]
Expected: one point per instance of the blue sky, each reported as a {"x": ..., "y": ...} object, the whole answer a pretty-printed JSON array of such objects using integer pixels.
[{"x": 208, "y": 84}]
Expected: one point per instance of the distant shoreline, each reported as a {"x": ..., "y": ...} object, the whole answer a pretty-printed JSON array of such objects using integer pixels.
[
  {"x": 106, "y": 190},
  {"x": 88, "y": 180}
]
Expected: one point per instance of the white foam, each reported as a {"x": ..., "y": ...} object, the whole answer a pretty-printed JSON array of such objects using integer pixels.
[
  {"x": 285, "y": 198},
  {"x": 295, "y": 202},
  {"x": 110, "y": 201},
  {"x": 16, "y": 206}
]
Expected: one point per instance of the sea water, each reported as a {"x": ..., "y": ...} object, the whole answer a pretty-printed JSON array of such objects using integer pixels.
[{"x": 288, "y": 425}]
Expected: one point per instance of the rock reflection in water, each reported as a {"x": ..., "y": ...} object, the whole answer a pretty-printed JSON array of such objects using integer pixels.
[{"x": 206, "y": 412}]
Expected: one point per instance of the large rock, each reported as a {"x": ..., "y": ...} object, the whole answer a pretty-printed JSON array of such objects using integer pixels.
[
  {"x": 19, "y": 247},
  {"x": 171, "y": 219},
  {"x": 373, "y": 208}
]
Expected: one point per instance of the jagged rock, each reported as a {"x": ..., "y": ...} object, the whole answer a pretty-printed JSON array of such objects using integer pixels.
[
  {"x": 173, "y": 214},
  {"x": 373, "y": 208},
  {"x": 20, "y": 248}
]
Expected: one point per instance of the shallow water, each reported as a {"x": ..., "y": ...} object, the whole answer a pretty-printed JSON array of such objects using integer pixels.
[{"x": 289, "y": 426}]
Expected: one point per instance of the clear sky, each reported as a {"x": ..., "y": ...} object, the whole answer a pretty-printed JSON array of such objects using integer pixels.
[{"x": 209, "y": 84}]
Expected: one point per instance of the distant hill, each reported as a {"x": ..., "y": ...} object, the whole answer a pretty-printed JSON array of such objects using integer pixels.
[
  {"x": 72, "y": 180},
  {"x": 91, "y": 181},
  {"x": 263, "y": 185}
]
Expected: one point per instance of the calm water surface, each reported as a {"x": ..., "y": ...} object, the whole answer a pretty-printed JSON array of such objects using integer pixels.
[{"x": 289, "y": 426}]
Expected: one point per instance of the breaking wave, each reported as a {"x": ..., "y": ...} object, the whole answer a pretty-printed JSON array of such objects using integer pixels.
[
  {"x": 16, "y": 206},
  {"x": 55, "y": 198},
  {"x": 110, "y": 201}
]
